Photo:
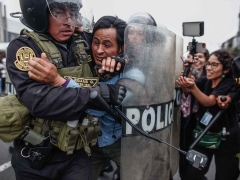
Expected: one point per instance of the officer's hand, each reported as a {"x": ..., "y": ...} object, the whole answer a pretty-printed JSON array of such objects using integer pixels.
[
  {"x": 224, "y": 104},
  {"x": 42, "y": 70},
  {"x": 111, "y": 64},
  {"x": 113, "y": 93}
]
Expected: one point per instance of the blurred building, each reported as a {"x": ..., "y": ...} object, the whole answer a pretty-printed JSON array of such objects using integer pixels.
[
  {"x": 234, "y": 42},
  {"x": 9, "y": 27}
]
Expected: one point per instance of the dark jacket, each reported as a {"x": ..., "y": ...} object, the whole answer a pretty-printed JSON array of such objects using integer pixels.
[{"x": 43, "y": 100}]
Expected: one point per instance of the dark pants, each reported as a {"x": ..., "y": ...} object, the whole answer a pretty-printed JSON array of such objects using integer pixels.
[
  {"x": 186, "y": 139},
  {"x": 101, "y": 154},
  {"x": 60, "y": 167}
]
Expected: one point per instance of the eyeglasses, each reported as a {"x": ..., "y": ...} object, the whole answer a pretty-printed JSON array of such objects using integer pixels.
[
  {"x": 213, "y": 65},
  {"x": 62, "y": 16}
]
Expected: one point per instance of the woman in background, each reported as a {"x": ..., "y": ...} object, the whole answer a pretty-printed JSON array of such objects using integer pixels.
[
  {"x": 189, "y": 107},
  {"x": 218, "y": 81}
]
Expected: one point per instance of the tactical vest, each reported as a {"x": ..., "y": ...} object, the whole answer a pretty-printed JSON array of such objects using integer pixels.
[{"x": 63, "y": 136}]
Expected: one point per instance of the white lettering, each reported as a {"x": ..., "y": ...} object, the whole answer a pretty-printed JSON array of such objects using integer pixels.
[
  {"x": 145, "y": 125},
  {"x": 133, "y": 115},
  {"x": 160, "y": 123}
]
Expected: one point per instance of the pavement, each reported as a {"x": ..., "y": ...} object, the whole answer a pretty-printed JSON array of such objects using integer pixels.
[{"x": 7, "y": 173}]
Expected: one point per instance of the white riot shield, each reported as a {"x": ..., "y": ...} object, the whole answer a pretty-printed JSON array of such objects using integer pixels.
[{"x": 149, "y": 77}]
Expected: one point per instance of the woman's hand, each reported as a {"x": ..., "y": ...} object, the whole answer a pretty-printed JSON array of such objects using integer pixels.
[{"x": 184, "y": 82}]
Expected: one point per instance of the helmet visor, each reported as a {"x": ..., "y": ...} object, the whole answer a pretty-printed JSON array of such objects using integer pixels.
[{"x": 66, "y": 11}]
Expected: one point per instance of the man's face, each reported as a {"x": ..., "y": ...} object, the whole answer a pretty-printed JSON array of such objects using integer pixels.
[
  {"x": 136, "y": 36},
  {"x": 59, "y": 31},
  {"x": 104, "y": 44}
]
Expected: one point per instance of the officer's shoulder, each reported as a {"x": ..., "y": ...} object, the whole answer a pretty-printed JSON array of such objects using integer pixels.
[
  {"x": 19, "y": 39},
  {"x": 22, "y": 43}
]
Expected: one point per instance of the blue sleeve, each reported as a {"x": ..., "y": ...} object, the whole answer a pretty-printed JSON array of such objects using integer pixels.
[{"x": 73, "y": 84}]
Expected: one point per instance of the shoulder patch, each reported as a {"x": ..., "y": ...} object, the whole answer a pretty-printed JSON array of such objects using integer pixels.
[{"x": 22, "y": 57}]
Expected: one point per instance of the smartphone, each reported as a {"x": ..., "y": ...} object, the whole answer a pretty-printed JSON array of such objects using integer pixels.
[{"x": 200, "y": 47}]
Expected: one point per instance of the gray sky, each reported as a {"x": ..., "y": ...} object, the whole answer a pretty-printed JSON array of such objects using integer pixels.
[{"x": 220, "y": 16}]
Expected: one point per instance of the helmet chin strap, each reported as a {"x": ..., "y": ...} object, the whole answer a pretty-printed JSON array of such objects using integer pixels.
[{"x": 14, "y": 14}]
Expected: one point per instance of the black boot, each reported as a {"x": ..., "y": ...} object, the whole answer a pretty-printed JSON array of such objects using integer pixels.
[
  {"x": 116, "y": 174},
  {"x": 107, "y": 167}
]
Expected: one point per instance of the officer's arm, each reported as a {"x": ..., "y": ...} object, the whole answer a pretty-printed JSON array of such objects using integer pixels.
[
  {"x": 46, "y": 101},
  {"x": 231, "y": 97},
  {"x": 43, "y": 100}
]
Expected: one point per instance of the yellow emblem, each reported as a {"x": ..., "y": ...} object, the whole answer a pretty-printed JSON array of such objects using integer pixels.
[
  {"x": 85, "y": 82},
  {"x": 89, "y": 58},
  {"x": 22, "y": 57},
  {"x": 238, "y": 155}
]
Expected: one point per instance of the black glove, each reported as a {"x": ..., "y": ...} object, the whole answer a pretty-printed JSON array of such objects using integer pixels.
[
  {"x": 120, "y": 59},
  {"x": 113, "y": 93}
]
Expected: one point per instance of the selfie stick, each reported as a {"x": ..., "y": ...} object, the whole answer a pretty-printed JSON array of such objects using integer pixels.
[
  {"x": 198, "y": 159},
  {"x": 116, "y": 113},
  {"x": 192, "y": 52}
]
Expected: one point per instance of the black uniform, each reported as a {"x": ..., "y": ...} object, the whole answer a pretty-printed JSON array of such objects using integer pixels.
[
  {"x": 55, "y": 103},
  {"x": 226, "y": 155}
]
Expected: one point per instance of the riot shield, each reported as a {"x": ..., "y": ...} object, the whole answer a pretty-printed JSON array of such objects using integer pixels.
[
  {"x": 149, "y": 77},
  {"x": 175, "y": 127}
]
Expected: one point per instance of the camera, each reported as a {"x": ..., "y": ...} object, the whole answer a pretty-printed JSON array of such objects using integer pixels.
[
  {"x": 193, "y": 29},
  {"x": 196, "y": 158}
]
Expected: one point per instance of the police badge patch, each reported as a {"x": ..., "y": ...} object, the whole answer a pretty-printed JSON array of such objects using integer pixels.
[
  {"x": 22, "y": 57},
  {"x": 89, "y": 58}
]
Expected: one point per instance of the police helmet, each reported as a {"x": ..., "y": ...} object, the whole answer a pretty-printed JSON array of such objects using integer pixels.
[
  {"x": 35, "y": 12},
  {"x": 142, "y": 18}
]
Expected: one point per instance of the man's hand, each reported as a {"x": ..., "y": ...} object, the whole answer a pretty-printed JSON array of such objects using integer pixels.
[
  {"x": 42, "y": 70},
  {"x": 224, "y": 104},
  {"x": 110, "y": 65}
]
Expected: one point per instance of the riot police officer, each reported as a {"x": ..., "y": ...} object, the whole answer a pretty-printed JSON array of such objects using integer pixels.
[{"x": 50, "y": 149}]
